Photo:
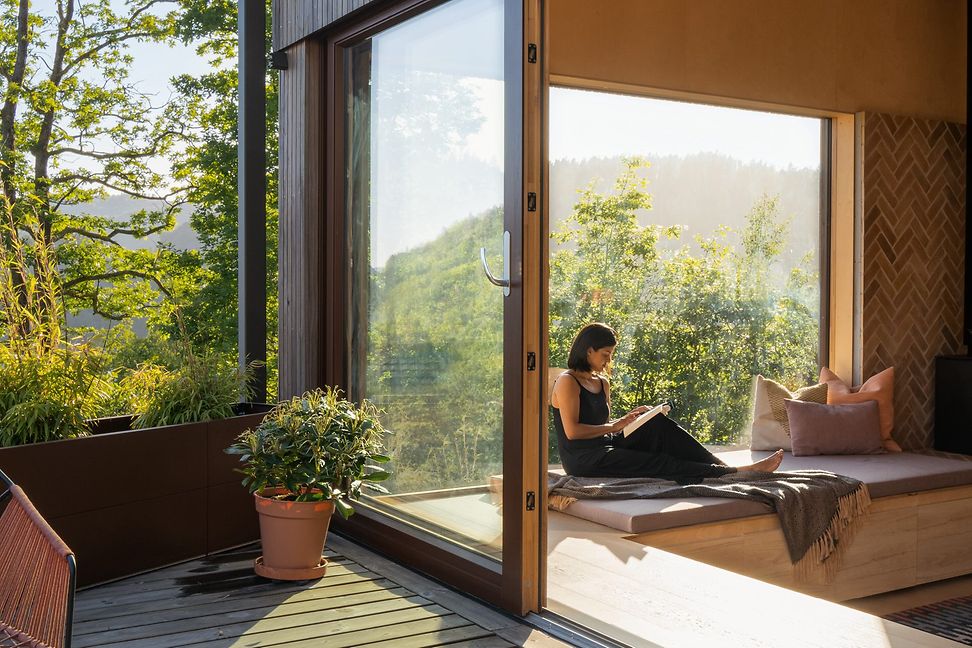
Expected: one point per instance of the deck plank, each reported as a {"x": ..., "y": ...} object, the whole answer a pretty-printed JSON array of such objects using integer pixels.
[
  {"x": 202, "y": 568},
  {"x": 150, "y": 624},
  {"x": 295, "y": 627},
  {"x": 469, "y": 636},
  {"x": 394, "y": 633},
  {"x": 96, "y": 606},
  {"x": 219, "y": 602}
]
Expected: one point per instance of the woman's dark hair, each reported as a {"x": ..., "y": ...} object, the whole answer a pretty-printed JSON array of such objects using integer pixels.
[{"x": 593, "y": 336}]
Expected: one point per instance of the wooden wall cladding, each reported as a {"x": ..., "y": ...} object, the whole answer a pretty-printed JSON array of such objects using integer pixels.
[
  {"x": 889, "y": 56},
  {"x": 301, "y": 204},
  {"x": 913, "y": 208},
  {"x": 294, "y": 20}
]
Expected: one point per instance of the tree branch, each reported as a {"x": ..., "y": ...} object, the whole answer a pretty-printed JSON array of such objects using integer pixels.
[
  {"x": 109, "y": 185},
  {"x": 115, "y": 274},
  {"x": 8, "y": 114},
  {"x": 110, "y": 236},
  {"x": 107, "y": 43},
  {"x": 130, "y": 155}
]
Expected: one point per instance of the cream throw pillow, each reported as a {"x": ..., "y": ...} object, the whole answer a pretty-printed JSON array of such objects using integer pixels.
[{"x": 771, "y": 429}]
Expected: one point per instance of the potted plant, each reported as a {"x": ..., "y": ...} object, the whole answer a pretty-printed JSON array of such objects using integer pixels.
[{"x": 308, "y": 457}]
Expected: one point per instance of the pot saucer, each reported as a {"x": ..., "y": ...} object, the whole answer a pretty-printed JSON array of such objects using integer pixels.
[{"x": 277, "y": 573}]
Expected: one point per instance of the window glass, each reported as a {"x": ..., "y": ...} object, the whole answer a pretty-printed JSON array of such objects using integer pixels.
[
  {"x": 694, "y": 231},
  {"x": 425, "y": 193}
]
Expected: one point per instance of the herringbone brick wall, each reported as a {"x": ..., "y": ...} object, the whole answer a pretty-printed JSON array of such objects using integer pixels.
[{"x": 913, "y": 261}]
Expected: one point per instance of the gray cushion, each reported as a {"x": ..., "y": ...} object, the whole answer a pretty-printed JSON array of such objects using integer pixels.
[
  {"x": 888, "y": 474},
  {"x": 638, "y": 516},
  {"x": 885, "y": 475}
]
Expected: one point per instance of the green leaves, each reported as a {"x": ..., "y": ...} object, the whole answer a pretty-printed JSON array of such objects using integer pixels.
[
  {"x": 204, "y": 388},
  {"x": 317, "y": 446},
  {"x": 695, "y": 324}
]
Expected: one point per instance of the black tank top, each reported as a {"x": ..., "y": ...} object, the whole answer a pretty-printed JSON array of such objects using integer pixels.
[{"x": 593, "y": 411}]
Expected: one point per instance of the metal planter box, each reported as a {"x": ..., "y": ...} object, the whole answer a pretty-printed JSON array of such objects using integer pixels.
[{"x": 127, "y": 501}]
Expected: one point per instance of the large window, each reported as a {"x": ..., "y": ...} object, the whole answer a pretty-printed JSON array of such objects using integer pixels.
[
  {"x": 694, "y": 230},
  {"x": 425, "y": 151}
]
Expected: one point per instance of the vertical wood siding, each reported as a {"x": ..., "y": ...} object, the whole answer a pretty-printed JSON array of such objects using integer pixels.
[
  {"x": 294, "y": 20},
  {"x": 301, "y": 257}
]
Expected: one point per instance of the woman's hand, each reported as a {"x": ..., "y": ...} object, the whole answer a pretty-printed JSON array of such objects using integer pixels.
[{"x": 627, "y": 418}]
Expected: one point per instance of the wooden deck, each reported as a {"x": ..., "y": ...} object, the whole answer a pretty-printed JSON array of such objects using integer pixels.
[{"x": 218, "y": 601}]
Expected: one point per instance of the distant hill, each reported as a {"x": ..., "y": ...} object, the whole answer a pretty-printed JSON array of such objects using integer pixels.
[
  {"x": 700, "y": 192},
  {"x": 182, "y": 237}
]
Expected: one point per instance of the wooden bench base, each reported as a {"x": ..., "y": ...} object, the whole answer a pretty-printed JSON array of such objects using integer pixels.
[{"x": 906, "y": 540}]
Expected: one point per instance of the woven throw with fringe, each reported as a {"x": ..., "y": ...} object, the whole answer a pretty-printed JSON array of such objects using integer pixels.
[{"x": 819, "y": 511}]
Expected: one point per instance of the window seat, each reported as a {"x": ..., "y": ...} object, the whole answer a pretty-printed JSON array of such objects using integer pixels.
[
  {"x": 884, "y": 474},
  {"x": 918, "y": 530}
]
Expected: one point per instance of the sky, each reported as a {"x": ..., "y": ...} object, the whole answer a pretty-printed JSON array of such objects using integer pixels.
[
  {"x": 600, "y": 124},
  {"x": 153, "y": 65},
  {"x": 418, "y": 190},
  {"x": 582, "y": 124}
]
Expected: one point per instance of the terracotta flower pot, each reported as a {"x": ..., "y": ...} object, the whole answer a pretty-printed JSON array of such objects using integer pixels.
[{"x": 293, "y": 535}]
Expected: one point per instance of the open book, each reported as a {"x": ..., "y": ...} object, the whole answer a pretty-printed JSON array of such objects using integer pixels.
[{"x": 664, "y": 408}]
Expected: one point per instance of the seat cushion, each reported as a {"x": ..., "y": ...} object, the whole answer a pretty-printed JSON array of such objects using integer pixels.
[{"x": 885, "y": 474}]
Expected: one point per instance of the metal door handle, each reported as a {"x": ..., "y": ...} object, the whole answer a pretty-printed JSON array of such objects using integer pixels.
[{"x": 504, "y": 281}]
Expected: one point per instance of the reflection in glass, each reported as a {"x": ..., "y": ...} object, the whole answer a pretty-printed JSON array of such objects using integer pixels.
[{"x": 424, "y": 193}]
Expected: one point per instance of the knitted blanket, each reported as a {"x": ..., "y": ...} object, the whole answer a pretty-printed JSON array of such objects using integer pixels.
[{"x": 819, "y": 511}]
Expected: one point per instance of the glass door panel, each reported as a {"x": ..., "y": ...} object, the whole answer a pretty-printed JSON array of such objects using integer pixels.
[{"x": 424, "y": 147}]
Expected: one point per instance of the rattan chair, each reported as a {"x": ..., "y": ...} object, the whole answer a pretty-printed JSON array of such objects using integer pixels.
[{"x": 37, "y": 576}]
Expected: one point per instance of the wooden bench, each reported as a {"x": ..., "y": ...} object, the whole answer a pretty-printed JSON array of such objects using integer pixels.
[
  {"x": 37, "y": 576},
  {"x": 918, "y": 530},
  {"x": 906, "y": 540}
]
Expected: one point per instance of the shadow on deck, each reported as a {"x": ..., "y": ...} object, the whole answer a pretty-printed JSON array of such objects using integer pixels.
[{"x": 219, "y": 601}]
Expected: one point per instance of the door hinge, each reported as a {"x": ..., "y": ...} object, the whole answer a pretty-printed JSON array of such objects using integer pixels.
[
  {"x": 531, "y": 202},
  {"x": 531, "y": 501},
  {"x": 531, "y": 361},
  {"x": 532, "y": 53}
]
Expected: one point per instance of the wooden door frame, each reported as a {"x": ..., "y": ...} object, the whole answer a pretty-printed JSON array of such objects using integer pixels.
[{"x": 513, "y": 584}]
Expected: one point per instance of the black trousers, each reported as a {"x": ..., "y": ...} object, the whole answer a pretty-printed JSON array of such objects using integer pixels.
[{"x": 660, "y": 448}]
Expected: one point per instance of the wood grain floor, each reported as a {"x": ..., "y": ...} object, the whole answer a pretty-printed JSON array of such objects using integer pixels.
[
  {"x": 218, "y": 602},
  {"x": 644, "y": 596}
]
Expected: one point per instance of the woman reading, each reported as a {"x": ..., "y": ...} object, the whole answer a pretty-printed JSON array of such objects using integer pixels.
[{"x": 592, "y": 445}]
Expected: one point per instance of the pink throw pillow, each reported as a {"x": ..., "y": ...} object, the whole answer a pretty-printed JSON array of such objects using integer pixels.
[
  {"x": 879, "y": 387},
  {"x": 817, "y": 429}
]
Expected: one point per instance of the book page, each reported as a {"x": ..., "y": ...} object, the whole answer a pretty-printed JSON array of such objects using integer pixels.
[{"x": 653, "y": 412}]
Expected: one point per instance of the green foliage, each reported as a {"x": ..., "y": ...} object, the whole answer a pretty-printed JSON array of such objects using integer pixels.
[
  {"x": 435, "y": 361},
  {"x": 46, "y": 390},
  {"x": 46, "y": 397},
  {"x": 29, "y": 287},
  {"x": 208, "y": 103},
  {"x": 75, "y": 128},
  {"x": 318, "y": 446},
  {"x": 128, "y": 391},
  {"x": 696, "y": 327},
  {"x": 204, "y": 388}
]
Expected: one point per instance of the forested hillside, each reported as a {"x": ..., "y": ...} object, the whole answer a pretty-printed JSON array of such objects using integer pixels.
[
  {"x": 435, "y": 357},
  {"x": 698, "y": 191},
  {"x": 698, "y": 320}
]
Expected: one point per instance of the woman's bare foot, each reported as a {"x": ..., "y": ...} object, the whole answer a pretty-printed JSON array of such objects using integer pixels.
[{"x": 769, "y": 464}]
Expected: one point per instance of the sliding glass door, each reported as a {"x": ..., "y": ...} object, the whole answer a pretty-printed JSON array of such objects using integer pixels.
[
  {"x": 425, "y": 195},
  {"x": 427, "y": 160}
]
